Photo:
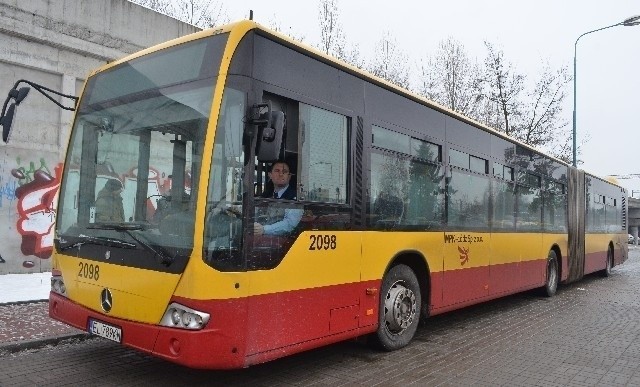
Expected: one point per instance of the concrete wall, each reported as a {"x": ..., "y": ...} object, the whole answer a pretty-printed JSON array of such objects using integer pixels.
[{"x": 55, "y": 43}]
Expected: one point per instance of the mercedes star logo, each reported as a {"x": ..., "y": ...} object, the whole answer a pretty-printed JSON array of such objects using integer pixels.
[{"x": 106, "y": 300}]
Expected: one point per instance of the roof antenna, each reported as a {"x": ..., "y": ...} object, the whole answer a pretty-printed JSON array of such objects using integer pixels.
[{"x": 250, "y": 14}]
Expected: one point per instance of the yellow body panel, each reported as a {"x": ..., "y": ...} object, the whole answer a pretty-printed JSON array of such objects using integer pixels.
[
  {"x": 594, "y": 243},
  {"x": 560, "y": 240},
  {"x": 138, "y": 294},
  {"x": 364, "y": 256},
  {"x": 300, "y": 269},
  {"x": 379, "y": 248},
  {"x": 465, "y": 250}
]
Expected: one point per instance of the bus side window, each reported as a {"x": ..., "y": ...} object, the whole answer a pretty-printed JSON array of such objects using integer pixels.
[{"x": 323, "y": 159}]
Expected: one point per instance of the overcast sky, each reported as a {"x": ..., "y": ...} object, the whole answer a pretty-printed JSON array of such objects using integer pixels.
[{"x": 529, "y": 33}]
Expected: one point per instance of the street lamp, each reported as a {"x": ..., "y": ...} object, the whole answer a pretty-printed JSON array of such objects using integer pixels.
[{"x": 629, "y": 22}]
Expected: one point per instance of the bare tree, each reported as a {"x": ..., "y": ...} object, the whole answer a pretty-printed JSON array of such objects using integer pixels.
[
  {"x": 543, "y": 123},
  {"x": 274, "y": 24},
  {"x": 200, "y": 13},
  {"x": 390, "y": 62},
  {"x": 533, "y": 117},
  {"x": 562, "y": 146},
  {"x": 332, "y": 39},
  {"x": 161, "y": 6},
  {"x": 503, "y": 88},
  {"x": 331, "y": 35},
  {"x": 451, "y": 79}
]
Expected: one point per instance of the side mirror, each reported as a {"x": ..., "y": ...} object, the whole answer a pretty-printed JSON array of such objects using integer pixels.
[
  {"x": 270, "y": 137},
  {"x": 6, "y": 121}
]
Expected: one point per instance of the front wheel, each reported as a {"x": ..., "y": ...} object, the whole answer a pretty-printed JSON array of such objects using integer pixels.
[
  {"x": 400, "y": 304},
  {"x": 551, "y": 284}
]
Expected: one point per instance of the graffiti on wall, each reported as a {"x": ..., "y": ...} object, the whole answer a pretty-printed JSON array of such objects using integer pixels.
[
  {"x": 37, "y": 194},
  {"x": 7, "y": 192}
]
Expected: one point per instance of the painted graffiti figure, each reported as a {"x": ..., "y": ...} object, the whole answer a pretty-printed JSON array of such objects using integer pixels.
[{"x": 109, "y": 206}]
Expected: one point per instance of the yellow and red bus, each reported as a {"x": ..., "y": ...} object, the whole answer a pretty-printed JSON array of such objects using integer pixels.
[{"x": 405, "y": 209}]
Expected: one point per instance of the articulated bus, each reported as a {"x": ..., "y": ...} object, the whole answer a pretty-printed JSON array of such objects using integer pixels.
[{"x": 404, "y": 208}]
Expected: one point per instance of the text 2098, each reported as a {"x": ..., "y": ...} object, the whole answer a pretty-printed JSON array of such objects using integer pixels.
[
  {"x": 89, "y": 271},
  {"x": 323, "y": 242}
]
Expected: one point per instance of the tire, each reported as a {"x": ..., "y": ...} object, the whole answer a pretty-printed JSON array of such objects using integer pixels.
[
  {"x": 400, "y": 309},
  {"x": 609, "y": 264},
  {"x": 551, "y": 283}
]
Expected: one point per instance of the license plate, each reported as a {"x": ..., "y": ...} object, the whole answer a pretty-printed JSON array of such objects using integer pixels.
[{"x": 107, "y": 331}]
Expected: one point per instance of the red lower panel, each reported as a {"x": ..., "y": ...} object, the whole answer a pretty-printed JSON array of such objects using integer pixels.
[
  {"x": 532, "y": 274},
  {"x": 139, "y": 336},
  {"x": 471, "y": 286},
  {"x": 595, "y": 261},
  {"x": 282, "y": 319},
  {"x": 620, "y": 256},
  {"x": 208, "y": 348},
  {"x": 305, "y": 346},
  {"x": 504, "y": 278},
  {"x": 247, "y": 331},
  {"x": 465, "y": 284}
]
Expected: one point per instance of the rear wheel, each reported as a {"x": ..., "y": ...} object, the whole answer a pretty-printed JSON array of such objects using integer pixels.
[
  {"x": 400, "y": 304},
  {"x": 609, "y": 265},
  {"x": 551, "y": 284}
]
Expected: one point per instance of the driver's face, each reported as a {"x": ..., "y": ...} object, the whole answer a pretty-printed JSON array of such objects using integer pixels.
[{"x": 280, "y": 175}]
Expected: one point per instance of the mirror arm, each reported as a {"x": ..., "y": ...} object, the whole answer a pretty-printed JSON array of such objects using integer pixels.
[{"x": 44, "y": 91}]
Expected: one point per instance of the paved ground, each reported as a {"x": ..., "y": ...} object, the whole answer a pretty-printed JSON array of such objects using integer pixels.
[
  {"x": 588, "y": 335},
  {"x": 28, "y": 325}
]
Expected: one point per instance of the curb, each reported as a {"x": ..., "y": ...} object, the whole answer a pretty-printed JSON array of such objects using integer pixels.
[
  {"x": 20, "y": 346},
  {"x": 23, "y": 302}
]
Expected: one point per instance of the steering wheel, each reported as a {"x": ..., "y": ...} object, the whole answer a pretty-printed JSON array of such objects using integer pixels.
[
  {"x": 232, "y": 211},
  {"x": 221, "y": 219}
]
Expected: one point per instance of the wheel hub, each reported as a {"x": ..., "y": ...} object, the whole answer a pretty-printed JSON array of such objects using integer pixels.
[{"x": 400, "y": 308}]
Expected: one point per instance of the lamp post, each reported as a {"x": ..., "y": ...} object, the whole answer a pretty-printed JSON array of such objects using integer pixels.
[{"x": 629, "y": 22}]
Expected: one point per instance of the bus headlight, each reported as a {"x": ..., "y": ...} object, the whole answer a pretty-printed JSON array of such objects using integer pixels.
[
  {"x": 57, "y": 283},
  {"x": 180, "y": 316}
]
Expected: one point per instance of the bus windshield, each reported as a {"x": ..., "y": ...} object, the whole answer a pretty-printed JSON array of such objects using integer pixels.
[{"x": 135, "y": 157}]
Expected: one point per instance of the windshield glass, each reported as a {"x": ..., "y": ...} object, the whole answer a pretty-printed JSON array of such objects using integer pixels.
[{"x": 135, "y": 157}]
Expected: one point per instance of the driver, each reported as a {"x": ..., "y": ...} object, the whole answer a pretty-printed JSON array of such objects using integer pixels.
[{"x": 280, "y": 221}]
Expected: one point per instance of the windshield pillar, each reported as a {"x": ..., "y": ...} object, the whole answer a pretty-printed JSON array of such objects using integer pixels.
[
  {"x": 142, "y": 177},
  {"x": 87, "y": 182},
  {"x": 178, "y": 173}
]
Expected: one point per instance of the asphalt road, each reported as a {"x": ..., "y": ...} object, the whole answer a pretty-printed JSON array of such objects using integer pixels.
[{"x": 587, "y": 335}]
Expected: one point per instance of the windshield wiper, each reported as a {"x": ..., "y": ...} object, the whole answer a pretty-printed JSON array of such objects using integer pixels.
[
  {"x": 116, "y": 226},
  {"x": 86, "y": 239},
  {"x": 165, "y": 259}
]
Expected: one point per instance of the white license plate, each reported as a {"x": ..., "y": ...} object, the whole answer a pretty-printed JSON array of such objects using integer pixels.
[{"x": 107, "y": 331}]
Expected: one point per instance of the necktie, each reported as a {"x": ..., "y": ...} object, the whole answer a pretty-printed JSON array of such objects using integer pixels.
[{"x": 275, "y": 195}]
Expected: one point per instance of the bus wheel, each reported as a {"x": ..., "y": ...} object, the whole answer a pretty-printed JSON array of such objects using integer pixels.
[
  {"x": 609, "y": 265},
  {"x": 400, "y": 304},
  {"x": 551, "y": 285}
]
